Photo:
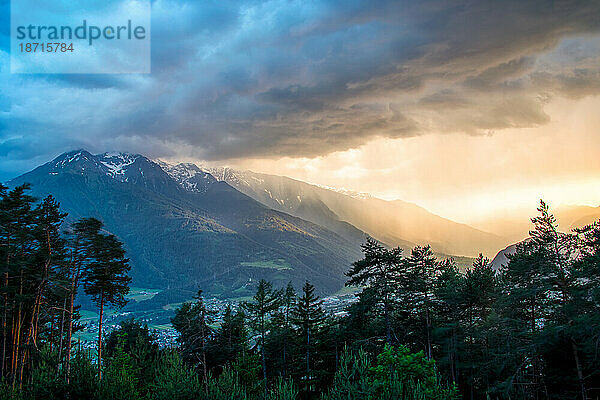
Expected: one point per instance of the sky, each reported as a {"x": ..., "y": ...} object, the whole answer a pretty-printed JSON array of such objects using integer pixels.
[{"x": 463, "y": 107}]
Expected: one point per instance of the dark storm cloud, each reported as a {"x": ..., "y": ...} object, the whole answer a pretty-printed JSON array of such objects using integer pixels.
[
  {"x": 576, "y": 83},
  {"x": 291, "y": 78},
  {"x": 501, "y": 74}
]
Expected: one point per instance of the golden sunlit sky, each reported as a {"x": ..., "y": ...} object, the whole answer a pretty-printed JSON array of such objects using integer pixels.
[
  {"x": 466, "y": 177},
  {"x": 467, "y": 108}
]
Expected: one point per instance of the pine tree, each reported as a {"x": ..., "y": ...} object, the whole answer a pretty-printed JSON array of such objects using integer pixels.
[
  {"x": 380, "y": 269},
  {"x": 477, "y": 294},
  {"x": 265, "y": 302},
  {"x": 584, "y": 309},
  {"x": 6, "y": 233},
  {"x": 31, "y": 256},
  {"x": 308, "y": 316},
  {"x": 281, "y": 334},
  {"x": 36, "y": 263},
  {"x": 230, "y": 339},
  {"x": 106, "y": 279},
  {"x": 420, "y": 273},
  {"x": 174, "y": 380},
  {"x": 43, "y": 271},
  {"x": 570, "y": 329},
  {"x": 447, "y": 308},
  {"x": 289, "y": 299},
  {"x": 352, "y": 380},
  {"x": 140, "y": 344},
  {"x": 16, "y": 222},
  {"x": 192, "y": 320},
  {"x": 531, "y": 290},
  {"x": 82, "y": 242}
]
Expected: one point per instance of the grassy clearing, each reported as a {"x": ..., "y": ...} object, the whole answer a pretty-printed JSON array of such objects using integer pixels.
[
  {"x": 141, "y": 294},
  {"x": 279, "y": 264}
]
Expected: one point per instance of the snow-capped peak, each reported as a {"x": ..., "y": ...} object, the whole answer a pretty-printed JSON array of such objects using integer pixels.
[
  {"x": 72, "y": 157},
  {"x": 117, "y": 163},
  {"x": 347, "y": 192},
  {"x": 188, "y": 175}
]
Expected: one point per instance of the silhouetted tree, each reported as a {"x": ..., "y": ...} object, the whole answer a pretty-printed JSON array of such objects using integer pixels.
[
  {"x": 230, "y": 339},
  {"x": 264, "y": 303},
  {"x": 420, "y": 273},
  {"x": 82, "y": 252},
  {"x": 308, "y": 316},
  {"x": 192, "y": 320},
  {"x": 379, "y": 269},
  {"x": 106, "y": 279}
]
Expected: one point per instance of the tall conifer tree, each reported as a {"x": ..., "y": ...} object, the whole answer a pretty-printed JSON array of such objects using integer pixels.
[
  {"x": 264, "y": 303},
  {"x": 106, "y": 279}
]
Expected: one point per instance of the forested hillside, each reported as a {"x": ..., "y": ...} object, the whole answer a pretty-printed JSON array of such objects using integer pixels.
[{"x": 421, "y": 329}]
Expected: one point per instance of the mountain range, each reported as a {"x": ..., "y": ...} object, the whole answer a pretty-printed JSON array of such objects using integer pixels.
[
  {"x": 221, "y": 229},
  {"x": 179, "y": 238},
  {"x": 396, "y": 223}
]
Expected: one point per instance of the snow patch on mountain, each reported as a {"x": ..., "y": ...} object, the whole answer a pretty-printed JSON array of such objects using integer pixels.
[
  {"x": 117, "y": 163},
  {"x": 77, "y": 161},
  {"x": 188, "y": 175},
  {"x": 347, "y": 192},
  {"x": 69, "y": 158},
  {"x": 226, "y": 174},
  {"x": 123, "y": 167}
]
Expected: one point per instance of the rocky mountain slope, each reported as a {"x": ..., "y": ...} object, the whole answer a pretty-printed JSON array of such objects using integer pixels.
[
  {"x": 206, "y": 234},
  {"x": 396, "y": 223}
]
